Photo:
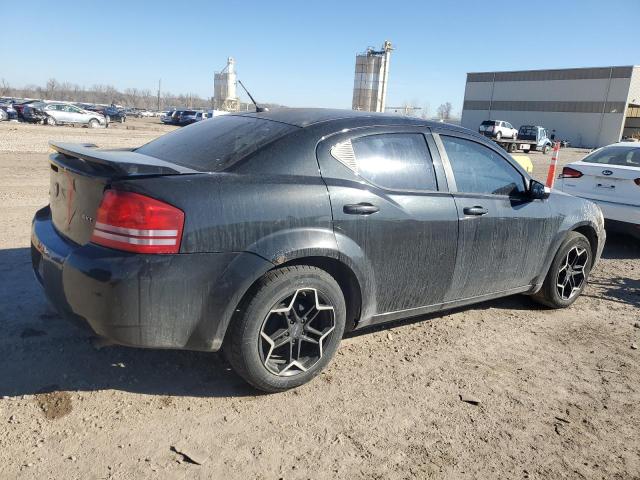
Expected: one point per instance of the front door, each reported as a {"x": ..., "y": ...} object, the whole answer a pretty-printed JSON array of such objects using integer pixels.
[
  {"x": 503, "y": 235},
  {"x": 387, "y": 205}
]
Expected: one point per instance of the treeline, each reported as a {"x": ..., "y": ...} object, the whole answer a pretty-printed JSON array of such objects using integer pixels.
[{"x": 104, "y": 94}]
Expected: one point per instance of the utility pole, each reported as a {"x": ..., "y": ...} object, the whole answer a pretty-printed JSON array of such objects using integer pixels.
[{"x": 159, "y": 85}]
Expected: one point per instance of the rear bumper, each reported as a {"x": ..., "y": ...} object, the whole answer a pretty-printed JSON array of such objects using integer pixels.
[
  {"x": 618, "y": 212},
  {"x": 157, "y": 301}
]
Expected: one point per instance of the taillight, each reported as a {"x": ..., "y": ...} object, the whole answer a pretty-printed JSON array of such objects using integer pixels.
[
  {"x": 568, "y": 172},
  {"x": 137, "y": 223}
]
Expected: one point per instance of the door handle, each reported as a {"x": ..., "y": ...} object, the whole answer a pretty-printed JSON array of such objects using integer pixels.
[
  {"x": 476, "y": 210},
  {"x": 360, "y": 209}
]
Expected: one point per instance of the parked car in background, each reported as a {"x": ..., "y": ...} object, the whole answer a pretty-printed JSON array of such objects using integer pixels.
[
  {"x": 19, "y": 106},
  {"x": 7, "y": 112},
  {"x": 110, "y": 113},
  {"x": 34, "y": 112},
  {"x": 114, "y": 114},
  {"x": 169, "y": 117},
  {"x": 57, "y": 113},
  {"x": 182, "y": 117},
  {"x": 498, "y": 129},
  {"x": 610, "y": 177},
  {"x": 273, "y": 233},
  {"x": 191, "y": 116},
  {"x": 539, "y": 136}
]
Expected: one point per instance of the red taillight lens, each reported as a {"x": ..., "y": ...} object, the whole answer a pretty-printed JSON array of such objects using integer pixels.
[
  {"x": 568, "y": 172},
  {"x": 137, "y": 223}
]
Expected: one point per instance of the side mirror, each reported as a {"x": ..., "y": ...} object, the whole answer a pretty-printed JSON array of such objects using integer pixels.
[{"x": 537, "y": 190}]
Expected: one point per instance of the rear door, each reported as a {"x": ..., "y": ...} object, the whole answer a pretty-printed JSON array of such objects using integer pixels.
[
  {"x": 389, "y": 202},
  {"x": 503, "y": 235}
]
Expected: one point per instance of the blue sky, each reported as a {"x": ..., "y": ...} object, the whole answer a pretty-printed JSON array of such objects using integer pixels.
[{"x": 302, "y": 53}]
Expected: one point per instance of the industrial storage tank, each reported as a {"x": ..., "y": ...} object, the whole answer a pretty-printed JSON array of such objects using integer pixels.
[
  {"x": 371, "y": 79},
  {"x": 224, "y": 87}
]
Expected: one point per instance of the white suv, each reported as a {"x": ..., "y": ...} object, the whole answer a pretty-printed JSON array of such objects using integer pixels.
[{"x": 498, "y": 129}]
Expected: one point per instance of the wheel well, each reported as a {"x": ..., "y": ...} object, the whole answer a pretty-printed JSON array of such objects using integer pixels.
[
  {"x": 346, "y": 279},
  {"x": 591, "y": 235}
]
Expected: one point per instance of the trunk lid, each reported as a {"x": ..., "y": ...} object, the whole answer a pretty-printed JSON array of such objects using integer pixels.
[
  {"x": 79, "y": 176},
  {"x": 610, "y": 183}
]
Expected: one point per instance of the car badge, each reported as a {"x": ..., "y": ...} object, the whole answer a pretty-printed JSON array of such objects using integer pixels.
[{"x": 607, "y": 172}]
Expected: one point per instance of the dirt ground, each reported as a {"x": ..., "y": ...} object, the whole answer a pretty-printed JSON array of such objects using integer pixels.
[{"x": 557, "y": 392}]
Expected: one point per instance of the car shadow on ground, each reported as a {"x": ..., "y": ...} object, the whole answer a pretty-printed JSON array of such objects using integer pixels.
[
  {"x": 618, "y": 289},
  {"x": 43, "y": 352}
]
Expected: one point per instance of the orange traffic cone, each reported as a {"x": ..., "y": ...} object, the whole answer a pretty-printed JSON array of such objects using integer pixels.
[{"x": 551, "y": 176}]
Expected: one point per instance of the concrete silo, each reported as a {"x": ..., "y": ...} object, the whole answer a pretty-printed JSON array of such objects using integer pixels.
[
  {"x": 224, "y": 88},
  {"x": 371, "y": 78}
]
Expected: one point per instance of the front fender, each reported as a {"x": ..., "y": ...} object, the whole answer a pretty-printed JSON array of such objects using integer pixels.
[{"x": 574, "y": 213}]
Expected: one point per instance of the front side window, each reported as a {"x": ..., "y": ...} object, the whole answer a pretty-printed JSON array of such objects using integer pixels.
[
  {"x": 478, "y": 169},
  {"x": 396, "y": 161}
]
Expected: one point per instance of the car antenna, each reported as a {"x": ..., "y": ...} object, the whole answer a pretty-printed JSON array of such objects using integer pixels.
[{"x": 258, "y": 109}]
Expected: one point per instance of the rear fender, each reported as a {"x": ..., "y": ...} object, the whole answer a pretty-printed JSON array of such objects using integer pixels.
[{"x": 294, "y": 244}]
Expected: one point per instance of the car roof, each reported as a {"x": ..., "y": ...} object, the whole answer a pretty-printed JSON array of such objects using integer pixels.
[{"x": 304, "y": 117}]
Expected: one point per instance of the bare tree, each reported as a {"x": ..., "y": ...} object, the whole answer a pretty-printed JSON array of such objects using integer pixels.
[
  {"x": 4, "y": 87},
  {"x": 426, "y": 111},
  {"x": 444, "y": 111},
  {"x": 104, "y": 94}
]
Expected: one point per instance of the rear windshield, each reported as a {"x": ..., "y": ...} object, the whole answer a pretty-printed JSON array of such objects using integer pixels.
[
  {"x": 622, "y": 156},
  {"x": 215, "y": 145},
  {"x": 489, "y": 122}
]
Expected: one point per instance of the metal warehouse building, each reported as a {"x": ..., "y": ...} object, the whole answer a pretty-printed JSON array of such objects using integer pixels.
[{"x": 590, "y": 107}]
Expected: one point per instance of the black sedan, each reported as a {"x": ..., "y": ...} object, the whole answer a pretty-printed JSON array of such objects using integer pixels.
[{"x": 271, "y": 234}]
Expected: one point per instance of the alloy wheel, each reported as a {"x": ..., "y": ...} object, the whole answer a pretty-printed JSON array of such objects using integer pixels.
[
  {"x": 571, "y": 274},
  {"x": 294, "y": 333}
]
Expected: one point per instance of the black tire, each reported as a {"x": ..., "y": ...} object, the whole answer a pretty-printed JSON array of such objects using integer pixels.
[
  {"x": 512, "y": 147},
  {"x": 550, "y": 293},
  {"x": 245, "y": 344},
  {"x": 546, "y": 149}
]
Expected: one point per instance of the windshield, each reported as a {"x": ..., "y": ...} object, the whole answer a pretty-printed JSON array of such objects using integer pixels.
[
  {"x": 622, "y": 156},
  {"x": 215, "y": 145}
]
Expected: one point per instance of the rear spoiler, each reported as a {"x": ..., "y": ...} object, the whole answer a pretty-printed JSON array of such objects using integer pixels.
[{"x": 116, "y": 162}]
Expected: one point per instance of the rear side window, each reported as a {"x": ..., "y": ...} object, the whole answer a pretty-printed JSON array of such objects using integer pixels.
[
  {"x": 395, "y": 161},
  {"x": 478, "y": 169},
  {"x": 623, "y": 156},
  {"x": 215, "y": 146}
]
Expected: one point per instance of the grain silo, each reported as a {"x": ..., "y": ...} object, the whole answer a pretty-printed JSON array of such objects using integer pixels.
[
  {"x": 371, "y": 78},
  {"x": 224, "y": 88}
]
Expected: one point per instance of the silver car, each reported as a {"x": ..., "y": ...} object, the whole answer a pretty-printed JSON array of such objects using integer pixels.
[{"x": 61, "y": 113}]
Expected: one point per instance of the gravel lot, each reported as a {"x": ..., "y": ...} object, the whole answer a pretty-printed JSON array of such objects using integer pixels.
[{"x": 558, "y": 391}]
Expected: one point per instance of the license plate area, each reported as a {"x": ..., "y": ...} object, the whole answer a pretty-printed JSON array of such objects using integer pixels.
[{"x": 605, "y": 183}]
